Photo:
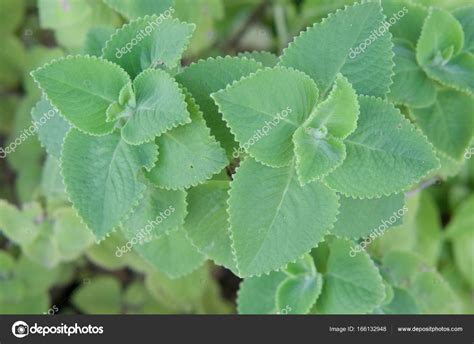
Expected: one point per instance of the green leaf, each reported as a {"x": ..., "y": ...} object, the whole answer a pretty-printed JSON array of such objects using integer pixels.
[
  {"x": 43, "y": 249},
  {"x": 264, "y": 57},
  {"x": 401, "y": 267},
  {"x": 330, "y": 47},
  {"x": 316, "y": 156},
  {"x": 12, "y": 60},
  {"x": 448, "y": 123},
  {"x": 282, "y": 222},
  {"x": 257, "y": 294},
  {"x": 189, "y": 155},
  {"x": 351, "y": 284},
  {"x": 428, "y": 230},
  {"x": 402, "y": 303},
  {"x": 441, "y": 33},
  {"x": 303, "y": 266},
  {"x": 52, "y": 186},
  {"x": 465, "y": 16},
  {"x": 19, "y": 226},
  {"x": 385, "y": 155},
  {"x": 431, "y": 292},
  {"x": 360, "y": 217},
  {"x": 139, "y": 8},
  {"x": 7, "y": 264},
  {"x": 298, "y": 293},
  {"x": 264, "y": 109},
  {"x": 412, "y": 17},
  {"x": 460, "y": 233},
  {"x": 101, "y": 296},
  {"x": 182, "y": 294},
  {"x": 72, "y": 19},
  {"x": 434, "y": 295},
  {"x": 8, "y": 105},
  {"x": 100, "y": 174},
  {"x": 158, "y": 212},
  {"x": 35, "y": 58},
  {"x": 457, "y": 73},
  {"x": 439, "y": 52},
  {"x": 172, "y": 253},
  {"x": 148, "y": 42},
  {"x": 160, "y": 106},
  {"x": 81, "y": 88},
  {"x": 411, "y": 86},
  {"x": 318, "y": 145},
  {"x": 204, "y": 13},
  {"x": 96, "y": 38},
  {"x": 224, "y": 71},
  {"x": 35, "y": 276},
  {"x": 106, "y": 254},
  {"x": 207, "y": 223},
  {"x": 338, "y": 113},
  {"x": 12, "y": 13},
  {"x": 52, "y": 128},
  {"x": 71, "y": 235}
]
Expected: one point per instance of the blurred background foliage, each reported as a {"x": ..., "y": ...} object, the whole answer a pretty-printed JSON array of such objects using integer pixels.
[{"x": 46, "y": 269}]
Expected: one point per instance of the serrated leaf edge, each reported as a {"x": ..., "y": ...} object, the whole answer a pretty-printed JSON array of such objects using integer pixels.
[
  {"x": 323, "y": 21},
  {"x": 264, "y": 69},
  {"x": 211, "y": 137},
  {"x": 234, "y": 251},
  {"x": 135, "y": 204},
  {"x": 71, "y": 57},
  {"x": 151, "y": 17},
  {"x": 413, "y": 128},
  {"x": 173, "y": 125}
]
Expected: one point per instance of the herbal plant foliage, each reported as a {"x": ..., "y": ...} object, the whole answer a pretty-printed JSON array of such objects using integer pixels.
[{"x": 264, "y": 164}]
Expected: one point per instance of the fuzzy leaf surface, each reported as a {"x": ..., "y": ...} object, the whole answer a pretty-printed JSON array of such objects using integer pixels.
[
  {"x": 264, "y": 110},
  {"x": 139, "y": 8},
  {"x": 189, "y": 155},
  {"x": 385, "y": 154},
  {"x": 100, "y": 174},
  {"x": 440, "y": 51},
  {"x": 160, "y": 106},
  {"x": 448, "y": 123},
  {"x": 281, "y": 222},
  {"x": 51, "y": 134},
  {"x": 359, "y": 217},
  {"x": 326, "y": 48},
  {"x": 158, "y": 41},
  {"x": 207, "y": 222},
  {"x": 351, "y": 284},
  {"x": 81, "y": 88},
  {"x": 197, "y": 81}
]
